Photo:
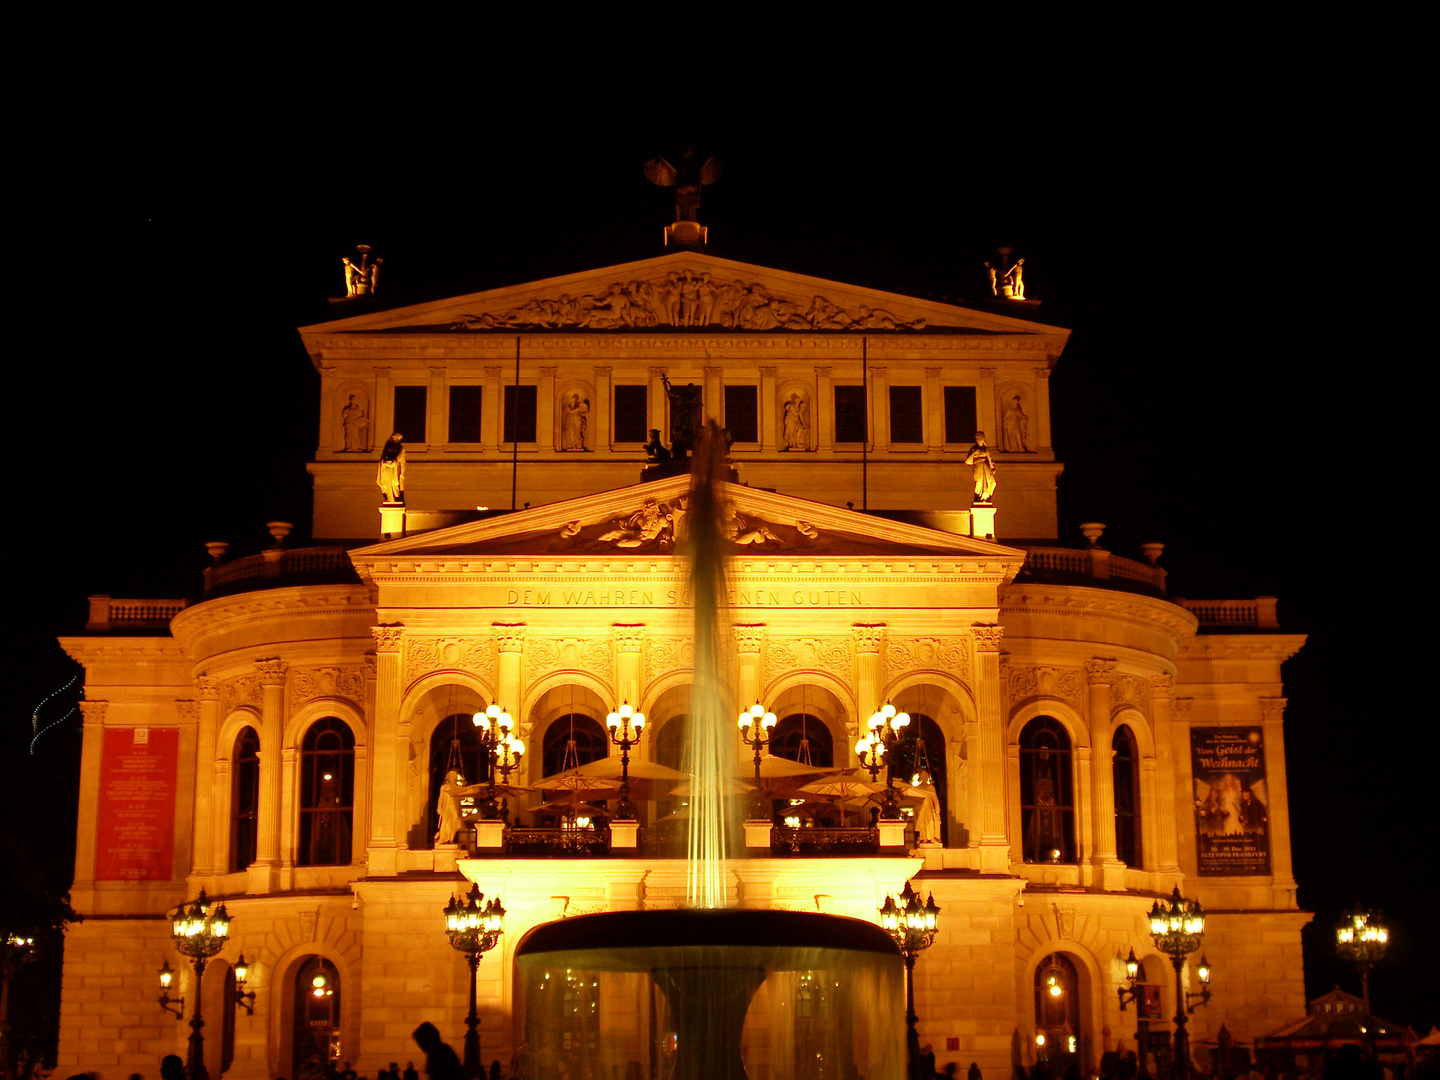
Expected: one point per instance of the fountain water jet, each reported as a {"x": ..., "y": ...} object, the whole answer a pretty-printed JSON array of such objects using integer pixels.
[{"x": 678, "y": 985}]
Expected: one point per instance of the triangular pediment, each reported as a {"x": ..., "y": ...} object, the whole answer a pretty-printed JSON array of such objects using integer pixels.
[
  {"x": 648, "y": 520},
  {"x": 684, "y": 290}
]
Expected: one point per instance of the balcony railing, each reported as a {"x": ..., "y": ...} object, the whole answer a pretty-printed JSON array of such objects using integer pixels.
[
  {"x": 110, "y": 615},
  {"x": 276, "y": 567},
  {"x": 570, "y": 843},
  {"x": 1257, "y": 614},
  {"x": 1096, "y": 564},
  {"x": 785, "y": 840}
]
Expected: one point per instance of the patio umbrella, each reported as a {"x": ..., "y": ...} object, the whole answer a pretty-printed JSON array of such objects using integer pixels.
[
  {"x": 844, "y": 785},
  {"x": 727, "y": 787}
]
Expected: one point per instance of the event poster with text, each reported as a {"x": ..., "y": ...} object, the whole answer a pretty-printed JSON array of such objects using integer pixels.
[
  {"x": 135, "y": 836},
  {"x": 1232, "y": 814}
]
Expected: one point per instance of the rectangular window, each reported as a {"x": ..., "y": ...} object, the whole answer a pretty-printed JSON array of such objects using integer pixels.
[
  {"x": 465, "y": 414},
  {"x": 907, "y": 415},
  {"x": 410, "y": 413},
  {"x": 520, "y": 407},
  {"x": 959, "y": 414},
  {"x": 632, "y": 417},
  {"x": 742, "y": 415},
  {"x": 850, "y": 425}
]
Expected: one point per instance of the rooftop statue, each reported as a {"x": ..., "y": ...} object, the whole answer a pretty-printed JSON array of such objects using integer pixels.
[
  {"x": 984, "y": 464},
  {"x": 362, "y": 278},
  {"x": 391, "y": 474},
  {"x": 687, "y": 180}
]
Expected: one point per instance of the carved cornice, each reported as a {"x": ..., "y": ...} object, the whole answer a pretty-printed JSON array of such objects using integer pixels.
[
  {"x": 128, "y": 650},
  {"x": 272, "y": 671},
  {"x": 987, "y": 638},
  {"x": 1207, "y": 647},
  {"x": 208, "y": 687},
  {"x": 1272, "y": 709},
  {"x": 868, "y": 637},
  {"x": 387, "y": 638},
  {"x": 1079, "y": 601},
  {"x": 296, "y": 602}
]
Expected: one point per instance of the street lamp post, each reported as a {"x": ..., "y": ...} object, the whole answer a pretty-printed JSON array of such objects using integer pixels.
[
  {"x": 474, "y": 931},
  {"x": 1177, "y": 925},
  {"x": 502, "y": 750},
  {"x": 884, "y": 733},
  {"x": 1133, "y": 992},
  {"x": 1362, "y": 938},
  {"x": 199, "y": 933},
  {"x": 625, "y": 725},
  {"x": 15, "y": 949},
  {"x": 912, "y": 925},
  {"x": 756, "y": 724}
]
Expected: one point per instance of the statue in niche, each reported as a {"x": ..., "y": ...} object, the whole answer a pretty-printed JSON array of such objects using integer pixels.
[
  {"x": 1015, "y": 433},
  {"x": 686, "y": 416},
  {"x": 447, "y": 806},
  {"x": 574, "y": 426},
  {"x": 654, "y": 449},
  {"x": 797, "y": 426},
  {"x": 391, "y": 474},
  {"x": 1015, "y": 280},
  {"x": 356, "y": 426},
  {"x": 687, "y": 180},
  {"x": 983, "y": 463},
  {"x": 927, "y": 818}
]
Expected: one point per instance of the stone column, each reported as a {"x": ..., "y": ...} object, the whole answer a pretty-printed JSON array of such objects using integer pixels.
[
  {"x": 1272, "y": 717},
  {"x": 547, "y": 427},
  {"x": 510, "y": 640},
  {"x": 598, "y": 436},
  {"x": 389, "y": 764},
  {"x": 492, "y": 405},
  {"x": 1179, "y": 785},
  {"x": 207, "y": 855},
  {"x": 382, "y": 411},
  {"x": 994, "y": 836},
  {"x": 1042, "y": 406},
  {"x": 1158, "y": 798},
  {"x": 628, "y": 640},
  {"x": 92, "y": 739},
  {"x": 769, "y": 410},
  {"x": 877, "y": 408},
  {"x": 264, "y": 871},
  {"x": 714, "y": 395},
  {"x": 437, "y": 426},
  {"x": 822, "y": 410},
  {"x": 1109, "y": 871},
  {"x": 749, "y": 640},
  {"x": 985, "y": 416},
  {"x": 658, "y": 404},
  {"x": 934, "y": 409},
  {"x": 208, "y": 690},
  {"x": 869, "y": 640}
]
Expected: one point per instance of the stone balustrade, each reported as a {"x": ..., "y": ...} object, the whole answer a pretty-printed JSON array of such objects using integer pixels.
[
  {"x": 1094, "y": 563},
  {"x": 111, "y": 615},
  {"x": 278, "y": 566},
  {"x": 1257, "y": 614}
]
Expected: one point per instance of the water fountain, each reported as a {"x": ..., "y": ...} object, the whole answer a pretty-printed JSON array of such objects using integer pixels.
[{"x": 697, "y": 992}]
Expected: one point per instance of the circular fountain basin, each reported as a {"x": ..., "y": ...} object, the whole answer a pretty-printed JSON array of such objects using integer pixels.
[{"x": 715, "y": 994}]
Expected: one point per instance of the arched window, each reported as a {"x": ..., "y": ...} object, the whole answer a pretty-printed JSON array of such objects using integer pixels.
[
  {"x": 923, "y": 747},
  {"x": 1127, "y": 797},
  {"x": 316, "y": 1032},
  {"x": 327, "y": 793},
  {"x": 244, "y": 798},
  {"x": 1047, "y": 793},
  {"x": 1057, "y": 1012},
  {"x": 671, "y": 742},
  {"x": 588, "y": 736},
  {"x": 454, "y": 744},
  {"x": 802, "y": 737}
]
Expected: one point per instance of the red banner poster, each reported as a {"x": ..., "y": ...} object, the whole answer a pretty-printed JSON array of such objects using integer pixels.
[{"x": 135, "y": 836}]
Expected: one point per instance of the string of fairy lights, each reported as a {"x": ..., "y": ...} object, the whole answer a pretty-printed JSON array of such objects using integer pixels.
[{"x": 35, "y": 728}]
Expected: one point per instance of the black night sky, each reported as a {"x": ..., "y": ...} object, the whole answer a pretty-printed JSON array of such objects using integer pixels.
[{"x": 1237, "y": 384}]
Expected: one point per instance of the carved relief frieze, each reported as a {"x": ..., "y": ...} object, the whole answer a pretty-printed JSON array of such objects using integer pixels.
[
  {"x": 1041, "y": 680},
  {"x": 951, "y": 655},
  {"x": 426, "y": 654},
  {"x": 655, "y": 525},
  {"x": 666, "y": 654},
  {"x": 342, "y": 682},
  {"x": 1129, "y": 690},
  {"x": 240, "y": 692},
  {"x": 832, "y": 654},
  {"x": 543, "y": 655},
  {"x": 189, "y": 710},
  {"x": 685, "y": 298}
]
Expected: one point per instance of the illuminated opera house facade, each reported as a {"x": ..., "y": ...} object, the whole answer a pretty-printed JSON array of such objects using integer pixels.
[{"x": 279, "y": 740}]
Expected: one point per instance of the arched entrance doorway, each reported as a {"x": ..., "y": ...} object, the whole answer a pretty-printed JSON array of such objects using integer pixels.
[
  {"x": 1057, "y": 1014},
  {"x": 316, "y": 1037}
]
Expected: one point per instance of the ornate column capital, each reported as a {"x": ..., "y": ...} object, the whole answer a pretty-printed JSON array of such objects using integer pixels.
[
  {"x": 436, "y": 371},
  {"x": 878, "y": 372},
  {"x": 1042, "y": 372},
  {"x": 749, "y": 637},
  {"x": 988, "y": 372},
  {"x": 1162, "y": 686},
  {"x": 208, "y": 687},
  {"x": 769, "y": 372},
  {"x": 657, "y": 372},
  {"x": 603, "y": 371},
  {"x": 272, "y": 671},
  {"x": 868, "y": 636},
  {"x": 987, "y": 638},
  {"x": 387, "y": 638},
  {"x": 493, "y": 372},
  {"x": 549, "y": 372},
  {"x": 934, "y": 372},
  {"x": 1272, "y": 709},
  {"x": 822, "y": 372},
  {"x": 1182, "y": 708},
  {"x": 93, "y": 711},
  {"x": 628, "y": 637},
  {"x": 1099, "y": 671},
  {"x": 509, "y": 637},
  {"x": 372, "y": 668},
  {"x": 189, "y": 710},
  {"x": 714, "y": 371}
]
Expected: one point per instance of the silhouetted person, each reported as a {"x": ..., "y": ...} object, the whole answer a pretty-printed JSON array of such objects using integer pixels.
[
  {"x": 495, "y": 1069},
  {"x": 1038, "y": 1071},
  {"x": 172, "y": 1068},
  {"x": 409, "y": 1074},
  {"x": 973, "y": 1073},
  {"x": 440, "y": 1061}
]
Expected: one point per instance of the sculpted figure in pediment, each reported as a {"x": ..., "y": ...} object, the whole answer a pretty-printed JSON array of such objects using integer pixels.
[{"x": 653, "y": 523}]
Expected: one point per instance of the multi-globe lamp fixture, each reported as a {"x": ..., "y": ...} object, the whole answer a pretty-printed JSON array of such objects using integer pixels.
[
  {"x": 625, "y": 725},
  {"x": 501, "y": 748},
  {"x": 913, "y": 926},
  {"x": 199, "y": 932},
  {"x": 1178, "y": 925},
  {"x": 885, "y": 726},
  {"x": 1361, "y": 938},
  {"x": 474, "y": 926},
  {"x": 756, "y": 725}
]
